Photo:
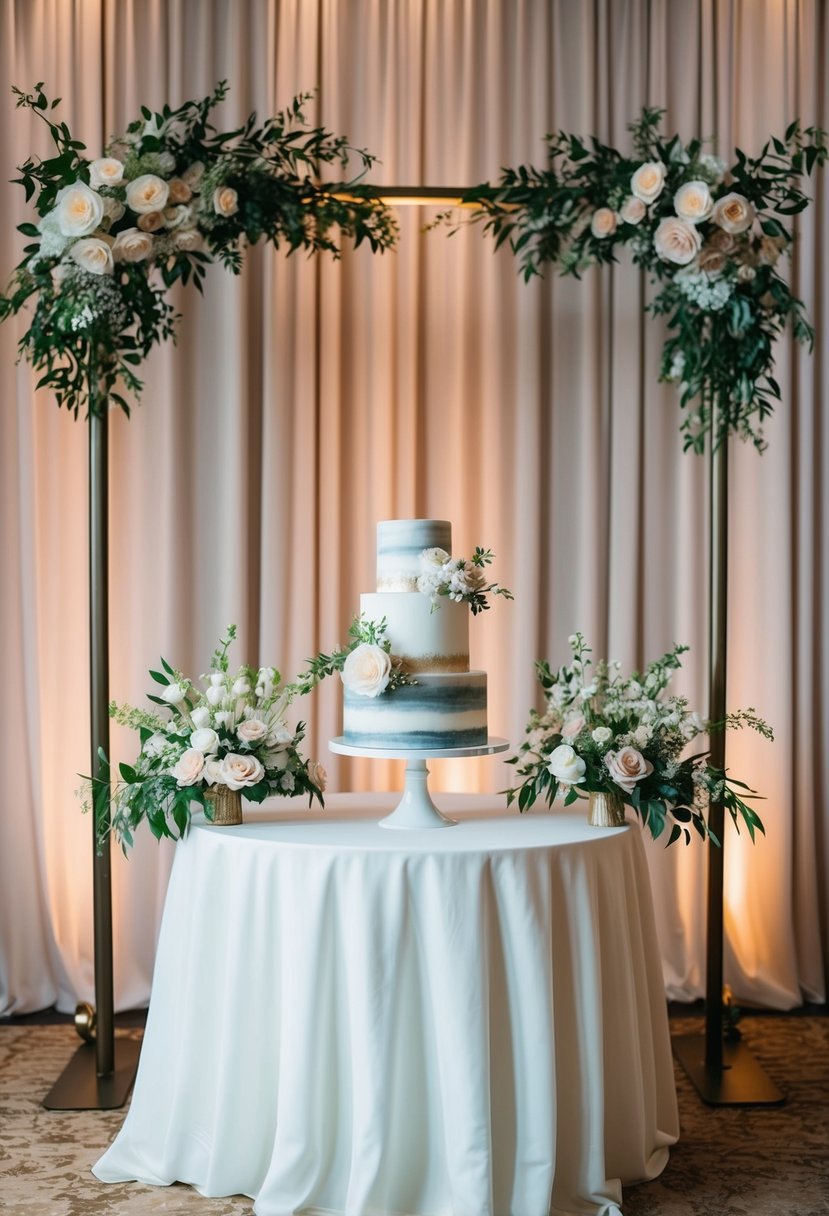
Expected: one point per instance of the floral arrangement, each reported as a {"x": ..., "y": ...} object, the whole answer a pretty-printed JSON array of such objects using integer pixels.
[
  {"x": 710, "y": 236},
  {"x": 625, "y": 736},
  {"x": 232, "y": 733},
  {"x": 365, "y": 665},
  {"x": 164, "y": 199},
  {"x": 458, "y": 579}
]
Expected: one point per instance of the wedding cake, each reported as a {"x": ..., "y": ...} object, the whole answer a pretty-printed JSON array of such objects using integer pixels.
[{"x": 423, "y": 694}]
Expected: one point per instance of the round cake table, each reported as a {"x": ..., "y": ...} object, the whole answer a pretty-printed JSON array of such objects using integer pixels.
[{"x": 351, "y": 1020}]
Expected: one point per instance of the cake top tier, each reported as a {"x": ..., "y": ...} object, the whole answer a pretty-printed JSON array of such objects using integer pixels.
[{"x": 400, "y": 543}]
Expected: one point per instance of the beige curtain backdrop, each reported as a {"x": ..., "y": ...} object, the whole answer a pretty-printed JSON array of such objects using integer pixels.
[{"x": 308, "y": 399}]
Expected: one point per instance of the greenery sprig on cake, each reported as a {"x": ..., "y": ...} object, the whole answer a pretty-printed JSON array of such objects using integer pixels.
[
  {"x": 165, "y": 198},
  {"x": 603, "y": 732},
  {"x": 365, "y": 665}
]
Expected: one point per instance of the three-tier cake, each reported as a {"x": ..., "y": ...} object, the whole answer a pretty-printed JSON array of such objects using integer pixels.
[{"x": 445, "y": 704}]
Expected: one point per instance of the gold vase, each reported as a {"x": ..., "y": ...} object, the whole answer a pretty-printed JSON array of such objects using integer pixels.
[
  {"x": 225, "y": 806},
  {"x": 605, "y": 810}
]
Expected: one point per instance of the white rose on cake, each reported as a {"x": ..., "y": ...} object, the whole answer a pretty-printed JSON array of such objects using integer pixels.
[
  {"x": 432, "y": 560},
  {"x": 627, "y": 766},
  {"x": 367, "y": 670},
  {"x": 237, "y": 772}
]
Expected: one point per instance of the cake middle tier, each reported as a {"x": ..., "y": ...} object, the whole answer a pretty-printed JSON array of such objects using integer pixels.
[
  {"x": 439, "y": 711},
  {"x": 423, "y": 639}
]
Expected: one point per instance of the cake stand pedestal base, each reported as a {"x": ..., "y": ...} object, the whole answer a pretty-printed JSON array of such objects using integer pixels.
[
  {"x": 416, "y": 808},
  {"x": 416, "y": 811}
]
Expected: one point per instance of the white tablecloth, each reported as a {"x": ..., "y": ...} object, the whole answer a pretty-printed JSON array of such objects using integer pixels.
[{"x": 463, "y": 1022}]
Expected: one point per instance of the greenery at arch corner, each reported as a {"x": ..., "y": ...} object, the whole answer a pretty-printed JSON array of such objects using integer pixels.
[
  {"x": 710, "y": 237},
  {"x": 166, "y": 198}
]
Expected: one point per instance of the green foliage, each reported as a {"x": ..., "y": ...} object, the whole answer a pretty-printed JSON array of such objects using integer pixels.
[
  {"x": 724, "y": 309},
  {"x": 89, "y": 331}
]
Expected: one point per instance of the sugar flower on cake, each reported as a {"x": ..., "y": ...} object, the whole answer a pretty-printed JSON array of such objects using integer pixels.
[
  {"x": 367, "y": 670},
  {"x": 458, "y": 579},
  {"x": 225, "y": 729},
  {"x": 627, "y": 736},
  {"x": 365, "y": 664}
]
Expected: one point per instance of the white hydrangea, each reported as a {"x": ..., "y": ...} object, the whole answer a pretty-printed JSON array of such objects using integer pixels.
[{"x": 707, "y": 291}]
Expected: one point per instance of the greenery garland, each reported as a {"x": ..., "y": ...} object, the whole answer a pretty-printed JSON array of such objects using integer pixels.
[
  {"x": 167, "y": 197},
  {"x": 709, "y": 236}
]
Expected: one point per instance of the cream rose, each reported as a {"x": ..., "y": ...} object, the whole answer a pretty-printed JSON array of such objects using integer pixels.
[
  {"x": 93, "y": 255},
  {"x": 633, "y": 211},
  {"x": 132, "y": 245},
  {"x": 367, "y": 670},
  {"x": 147, "y": 193},
  {"x": 193, "y": 174},
  {"x": 693, "y": 202},
  {"x": 225, "y": 201},
  {"x": 733, "y": 213},
  {"x": 566, "y": 766},
  {"x": 78, "y": 210},
  {"x": 212, "y": 770},
  {"x": 317, "y": 774},
  {"x": 648, "y": 181},
  {"x": 204, "y": 740},
  {"x": 106, "y": 171},
  {"x": 627, "y": 766},
  {"x": 151, "y": 222},
  {"x": 466, "y": 578},
  {"x": 180, "y": 192},
  {"x": 678, "y": 242},
  {"x": 603, "y": 223},
  {"x": 190, "y": 767},
  {"x": 252, "y": 730},
  {"x": 188, "y": 240},
  {"x": 238, "y": 771}
]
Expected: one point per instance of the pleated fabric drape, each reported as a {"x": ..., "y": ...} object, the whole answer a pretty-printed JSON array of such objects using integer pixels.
[{"x": 307, "y": 399}]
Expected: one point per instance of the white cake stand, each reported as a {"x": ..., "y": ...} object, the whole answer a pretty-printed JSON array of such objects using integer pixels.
[{"x": 416, "y": 809}]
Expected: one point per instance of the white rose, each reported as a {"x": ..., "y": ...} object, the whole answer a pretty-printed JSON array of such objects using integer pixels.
[
  {"x": 188, "y": 240},
  {"x": 367, "y": 670},
  {"x": 432, "y": 560},
  {"x": 573, "y": 726},
  {"x": 212, "y": 770},
  {"x": 215, "y": 694},
  {"x": 693, "y": 202},
  {"x": 251, "y": 730},
  {"x": 279, "y": 737},
  {"x": 241, "y": 687},
  {"x": 225, "y": 201},
  {"x": 648, "y": 181},
  {"x": 92, "y": 255},
  {"x": 190, "y": 767},
  {"x": 603, "y": 223},
  {"x": 239, "y": 771},
  {"x": 627, "y": 766},
  {"x": 193, "y": 174},
  {"x": 106, "y": 171},
  {"x": 317, "y": 774},
  {"x": 602, "y": 734},
  {"x": 132, "y": 245},
  {"x": 78, "y": 210},
  {"x": 174, "y": 694},
  {"x": 633, "y": 211},
  {"x": 147, "y": 193},
  {"x": 566, "y": 766},
  {"x": 733, "y": 213},
  {"x": 200, "y": 716},
  {"x": 204, "y": 739},
  {"x": 676, "y": 241}
]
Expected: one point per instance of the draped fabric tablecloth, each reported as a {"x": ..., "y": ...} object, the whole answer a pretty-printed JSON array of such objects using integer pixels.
[{"x": 462, "y": 1022}]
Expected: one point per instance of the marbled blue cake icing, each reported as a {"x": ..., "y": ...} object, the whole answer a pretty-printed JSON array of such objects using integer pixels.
[
  {"x": 399, "y": 545},
  {"x": 439, "y": 711}
]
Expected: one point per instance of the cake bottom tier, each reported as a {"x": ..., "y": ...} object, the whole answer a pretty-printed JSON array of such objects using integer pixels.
[{"x": 446, "y": 709}]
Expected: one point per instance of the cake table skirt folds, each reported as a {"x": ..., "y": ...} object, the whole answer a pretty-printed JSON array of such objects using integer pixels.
[{"x": 347, "y": 1020}]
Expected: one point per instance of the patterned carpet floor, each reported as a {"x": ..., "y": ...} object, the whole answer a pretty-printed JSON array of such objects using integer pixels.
[{"x": 729, "y": 1162}]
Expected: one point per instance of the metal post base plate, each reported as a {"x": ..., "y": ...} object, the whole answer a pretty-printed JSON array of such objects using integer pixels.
[
  {"x": 740, "y": 1082},
  {"x": 80, "y": 1088}
]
